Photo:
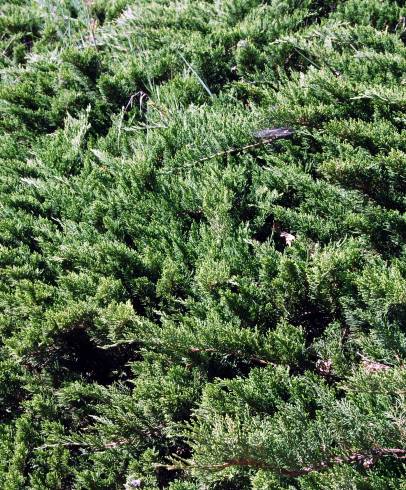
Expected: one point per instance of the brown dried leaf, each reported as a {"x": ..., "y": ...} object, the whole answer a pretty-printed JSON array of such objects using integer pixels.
[
  {"x": 324, "y": 366},
  {"x": 288, "y": 237},
  {"x": 274, "y": 133}
]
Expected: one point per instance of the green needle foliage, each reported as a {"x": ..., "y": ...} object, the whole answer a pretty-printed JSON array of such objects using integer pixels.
[{"x": 182, "y": 305}]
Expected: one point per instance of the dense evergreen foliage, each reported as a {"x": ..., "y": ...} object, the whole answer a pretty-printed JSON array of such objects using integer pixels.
[{"x": 178, "y": 315}]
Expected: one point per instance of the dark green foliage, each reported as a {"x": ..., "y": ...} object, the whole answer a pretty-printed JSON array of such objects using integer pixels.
[{"x": 181, "y": 307}]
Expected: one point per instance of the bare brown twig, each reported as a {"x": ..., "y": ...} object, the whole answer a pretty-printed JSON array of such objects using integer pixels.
[
  {"x": 237, "y": 354},
  {"x": 366, "y": 459},
  {"x": 265, "y": 136}
]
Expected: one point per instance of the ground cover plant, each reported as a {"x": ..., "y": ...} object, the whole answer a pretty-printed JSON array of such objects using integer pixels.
[{"x": 184, "y": 304}]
